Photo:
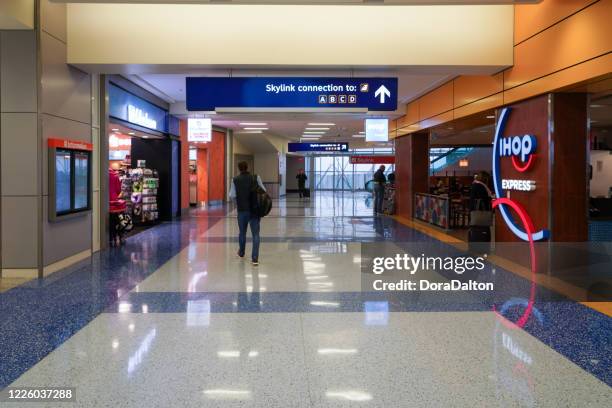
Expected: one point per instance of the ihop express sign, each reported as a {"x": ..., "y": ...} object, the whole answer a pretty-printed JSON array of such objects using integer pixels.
[{"x": 521, "y": 150}]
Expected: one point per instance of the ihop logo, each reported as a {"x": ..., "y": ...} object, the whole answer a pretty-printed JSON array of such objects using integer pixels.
[{"x": 521, "y": 149}]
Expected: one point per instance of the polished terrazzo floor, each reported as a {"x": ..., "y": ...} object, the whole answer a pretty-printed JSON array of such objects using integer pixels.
[{"x": 175, "y": 319}]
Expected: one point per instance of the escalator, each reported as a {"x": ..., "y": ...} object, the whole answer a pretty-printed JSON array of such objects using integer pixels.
[{"x": 440, "y": 158}]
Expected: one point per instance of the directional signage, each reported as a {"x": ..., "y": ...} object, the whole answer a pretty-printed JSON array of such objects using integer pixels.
[
  {"x": 374, "y": 94},
  {"x": 372, "y": 159},
  {"x": 318, "y": 147},
  {"x": 377, "y": 130}
]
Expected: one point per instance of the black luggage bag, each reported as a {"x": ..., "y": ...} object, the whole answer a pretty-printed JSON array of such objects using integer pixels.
[{"x": 479, "y": 239}]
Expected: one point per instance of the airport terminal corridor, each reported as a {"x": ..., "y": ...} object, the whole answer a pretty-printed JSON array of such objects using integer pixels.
[{"x": 175, "y": 318}]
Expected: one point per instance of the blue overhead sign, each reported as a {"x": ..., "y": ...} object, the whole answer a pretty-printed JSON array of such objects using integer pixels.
[
  {"x": 374, "y": 94},
  {"x": 130, "y": 108},
  {"x": 318, "y": 147}
]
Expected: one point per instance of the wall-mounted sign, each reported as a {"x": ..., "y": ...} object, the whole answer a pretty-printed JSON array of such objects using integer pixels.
[
  {"x": 130, "y": 108},
  {"x": 199, "y": 130},
  {"x": 140, "y": 117},
  {"x": 518, "y": 185},
  {"x": 69, "y": 171},
  {"x": 69, "y": 144},
  {"x": 318, "y": 147},
  {"x": 115, "y": 141},
  {"x": 521, "y": 150},
  {"x": 374, "y": 94},
  {"x": 377, "y": 130},
  {"x": 464, "y": 163},
  {"x": 372, "y": 159}
]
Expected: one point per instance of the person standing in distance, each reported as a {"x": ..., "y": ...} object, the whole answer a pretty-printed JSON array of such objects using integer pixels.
[
  {"x": 301, "y": 179},
  {"x": 379, "y": 189},
  {"x": 243, "y": 189}
]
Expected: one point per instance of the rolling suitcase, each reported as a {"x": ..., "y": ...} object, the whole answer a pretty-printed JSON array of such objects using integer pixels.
[
  {"x": 479, "y": 239},
  {"x": 389, "y": 200}
]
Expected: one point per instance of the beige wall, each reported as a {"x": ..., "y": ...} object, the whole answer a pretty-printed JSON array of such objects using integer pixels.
[
  {"x": 463, "y": 36},
  {"x": 16, "y": 14},
  {"x": 41, "y": 97},
  {"x": 266, "y": 166}
]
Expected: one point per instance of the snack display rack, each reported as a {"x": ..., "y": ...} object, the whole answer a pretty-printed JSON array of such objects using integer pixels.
[{"x": 140, "y": 185}]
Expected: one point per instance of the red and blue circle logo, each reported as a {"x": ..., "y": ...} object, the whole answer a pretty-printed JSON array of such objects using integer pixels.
[{"x": 521, "y": 150}]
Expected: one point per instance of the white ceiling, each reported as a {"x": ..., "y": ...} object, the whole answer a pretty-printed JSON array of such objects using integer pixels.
[{"x": 171, "y": 87}]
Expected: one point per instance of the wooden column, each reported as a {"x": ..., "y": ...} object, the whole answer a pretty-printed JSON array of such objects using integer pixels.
[
  {"x": 411, "y": 170},
  {"x": 569, "y": 167},
  {"x": 560, "y": 201}
]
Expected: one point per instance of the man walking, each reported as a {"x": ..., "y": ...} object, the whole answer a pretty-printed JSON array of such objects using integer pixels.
[
  {"x": 243, "y": 189},
  {"x": 301, "y": 179},
  {"x": 379, "y": 189}
]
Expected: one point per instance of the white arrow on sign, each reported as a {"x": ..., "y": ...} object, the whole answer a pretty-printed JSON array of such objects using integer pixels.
[{"x": 382, "y": 91}]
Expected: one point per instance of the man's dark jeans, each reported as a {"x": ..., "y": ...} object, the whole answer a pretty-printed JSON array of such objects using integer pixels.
[
  {"x": 244, "y": 220},
  {"x": 379, "y": 195}
]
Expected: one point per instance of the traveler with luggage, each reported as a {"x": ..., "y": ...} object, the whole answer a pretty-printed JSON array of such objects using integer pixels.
[
  {"x": 301, "y": 178},
  {"x": 379, "y": 189},
  {"x": 252, "y": 203},
  {"x": 481, "y": 216}
]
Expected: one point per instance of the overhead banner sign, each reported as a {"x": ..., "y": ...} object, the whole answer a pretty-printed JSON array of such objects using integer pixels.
[
  {"x": 199, "y": 130},
  {"x": 372, "y": 159},
  {"x": 318, "y": 147},
  {"x": 374, "y": 94}
]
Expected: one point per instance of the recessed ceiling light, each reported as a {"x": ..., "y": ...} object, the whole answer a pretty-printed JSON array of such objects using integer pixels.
[
  {"x": 483, "y": 131},
  {"x": 248, "y": 131},
  {"x": 312, "y": 136},
  {"x": 115, "y": 130},
  {"x": 317, "y": 128},
  {"x": 311, "y": 132},
  {"x": 362, "y": 132},
  {"x": 596, "y": 106},
  {"x": 490, "y": 116},
  {"x": 255, "y": 128},
  {"x": 359, "y": 136},
  {"x": 321, "y": 124},
  {"x": 253, "y": 124},
  {"x": 131, "y": 133}
]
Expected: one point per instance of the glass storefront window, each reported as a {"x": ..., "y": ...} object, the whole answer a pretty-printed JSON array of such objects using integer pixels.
[
  {"x": 62, "y": 181},
  {"x": 81, "y": 180},
  {"x": 71, "y": 182},
  {"x": 335, "y": 172}
]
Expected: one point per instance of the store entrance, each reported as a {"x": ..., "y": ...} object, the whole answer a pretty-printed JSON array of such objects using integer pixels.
[
  {"x": 198, "y": 176},
  {"x": 139, "y": 164}
]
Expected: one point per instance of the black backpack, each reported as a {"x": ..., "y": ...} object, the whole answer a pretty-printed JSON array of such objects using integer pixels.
[{"x": 262, "y": 202}]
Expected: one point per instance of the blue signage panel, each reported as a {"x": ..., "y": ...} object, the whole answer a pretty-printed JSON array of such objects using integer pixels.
[
  {"x": 375, "y": 94},
  {"x": 130, "y": 108},
  {"x": 318, "y": 147}
]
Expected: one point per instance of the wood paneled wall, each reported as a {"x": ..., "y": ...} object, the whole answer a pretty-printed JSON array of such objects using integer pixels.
[
  {"x": 411, "y": 170},
  {"x": 557, "y": 44},
  {"x": 528, "y": 117}
]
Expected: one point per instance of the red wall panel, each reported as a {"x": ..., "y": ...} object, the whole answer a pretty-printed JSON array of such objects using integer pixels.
[
  {"x": 202, "y": 172},
  {"x": 216, "y": 168}
]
